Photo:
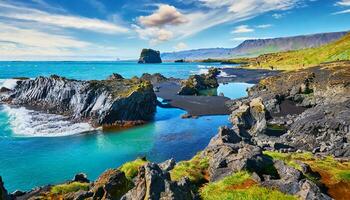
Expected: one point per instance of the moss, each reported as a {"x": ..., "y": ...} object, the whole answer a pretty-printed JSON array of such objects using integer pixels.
[
  {"x": 240, "y": 186},
  {"x": 195, "y": 169},
  {"x": 131, "y": 168},
  {"x": 70, "y": 187},
  {"x": 334, "y": 170}
]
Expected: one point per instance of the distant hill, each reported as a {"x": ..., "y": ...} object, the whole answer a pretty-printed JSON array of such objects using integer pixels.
[
  {"x": 338, "y": 50},
  {"x": 252, "y": 48}
]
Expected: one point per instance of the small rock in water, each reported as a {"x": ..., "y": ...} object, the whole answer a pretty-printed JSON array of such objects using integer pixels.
[{"x": 81, "y": 177}]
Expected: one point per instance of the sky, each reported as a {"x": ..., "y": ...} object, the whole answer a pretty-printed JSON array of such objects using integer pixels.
[{"x": 119, "y": 29}]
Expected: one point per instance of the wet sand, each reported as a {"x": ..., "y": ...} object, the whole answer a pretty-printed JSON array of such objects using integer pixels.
[
  {"x": 194, "y": 105},
  {"x": 246, "y": 75}
]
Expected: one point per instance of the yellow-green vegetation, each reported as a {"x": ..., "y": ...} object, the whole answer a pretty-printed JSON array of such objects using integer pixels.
[
  {"x": 240, "y": 186},
  {"x": 195, "y": 169},
  {"x": 299, "y": 59},
  {"x": 69, "y": 187},
  {"x": 131, "y": 168},
  {"x": 339, "y": 171}
]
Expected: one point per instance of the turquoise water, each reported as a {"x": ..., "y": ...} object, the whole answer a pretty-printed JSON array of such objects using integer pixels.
[{"x": 26, "y": 162}]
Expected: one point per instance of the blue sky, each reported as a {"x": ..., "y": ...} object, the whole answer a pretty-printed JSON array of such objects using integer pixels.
[{"x": 110, "y": 29}]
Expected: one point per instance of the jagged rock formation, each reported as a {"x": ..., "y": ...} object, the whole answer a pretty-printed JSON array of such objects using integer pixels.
[
  {"x": 150, "y": 56},
  {"x": 306, "y": 110},
  {"x": 195, "y": 83},
  {"x": 102, "y": 103},
  {"x": 257, "y": 47},
  {"x": 153, "y": 183},
  {"x": 3, "y": 191}
]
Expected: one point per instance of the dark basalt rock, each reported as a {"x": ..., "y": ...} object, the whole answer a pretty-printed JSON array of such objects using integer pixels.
[
  {"x": 105, "y": 102},
  {"x": 153, "y": 78},
  {"x": 81, "y": 177},
  {"x": 112, "y": 184},
  {"x": 311, "y": 105},
  {"x": 195, "y": 83},
  {"x": 153, "y": 183},
  {"x": 3, "y": 191},
  {"x": 150, "y": 56},
  {"x": 115, "y": 76}
]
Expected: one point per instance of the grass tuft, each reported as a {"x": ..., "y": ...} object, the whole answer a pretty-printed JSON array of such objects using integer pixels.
[
  {"x": 240, "y": 186},
  {"x": 131, "y": 168},
  {"x": 195, "y": 169},
  {"x": 69, "y": 187}
]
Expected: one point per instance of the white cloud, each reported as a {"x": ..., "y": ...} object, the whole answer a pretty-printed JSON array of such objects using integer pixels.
[
  {"x": 277, "y": 16},
  {"x": 343, "y": 3},
  {"x": 216, "y": 12},
  {"x": 165, "y": 15},
  {"x": 155, "y": 35},
  {"x": 180, "y": 46},
  {"x": 64, "y": 21},
  {"x": 264, "y": 26},
  {"x": 243, "y": 29},
  {"x": 31, "y": 44}
]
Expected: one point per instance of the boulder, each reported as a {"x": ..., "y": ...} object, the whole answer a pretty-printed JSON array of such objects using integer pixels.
[
  {"x": 195, "y": 83},
  {"x": 115, "y": 76},
  {"x": 250, "y": 116},
  {"x": 81, "y": 177},
  {"x": 149, "y": 56},
  {"x": 225, "y": 135},
  {"x": 310, "y": 191},
  {"x": 153, "y": 183},
  {"x": 112, "y": 184},
  {"x": 227, "y": 159},
  {"x": 153, "y": 78}
]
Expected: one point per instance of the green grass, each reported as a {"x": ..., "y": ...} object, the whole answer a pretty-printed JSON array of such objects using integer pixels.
[
  {"x": 225, "y": 189},
  {"x": 71, "y": 187},
  {"x": 289, "y": 158},
  {"x": 339, "y": 171},
  {"x": 194, "y": 169},
  {"x": 292, "y": 60},
  {"x": 131, "y": 168}
]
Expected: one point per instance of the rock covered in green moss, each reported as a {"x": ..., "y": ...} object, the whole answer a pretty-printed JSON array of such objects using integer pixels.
[
  {"x": 150, "y": 56},
  {"x": 195, "y": 83}
]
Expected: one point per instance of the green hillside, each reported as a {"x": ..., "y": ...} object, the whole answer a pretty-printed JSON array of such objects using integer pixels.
[{"x": 291, "y": 60}]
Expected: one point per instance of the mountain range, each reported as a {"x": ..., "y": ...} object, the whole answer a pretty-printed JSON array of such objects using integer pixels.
[{"x": 256, "y": 47}]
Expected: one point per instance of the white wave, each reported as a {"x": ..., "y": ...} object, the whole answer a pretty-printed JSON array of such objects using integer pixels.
[
  {"x": 225, "y": 75},
  {"x": 29, "y": 123},
  {"x": 8, "y": 83}
]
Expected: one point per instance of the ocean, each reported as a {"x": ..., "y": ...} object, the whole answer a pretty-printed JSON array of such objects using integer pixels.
[{"x": 38, "y": 148}]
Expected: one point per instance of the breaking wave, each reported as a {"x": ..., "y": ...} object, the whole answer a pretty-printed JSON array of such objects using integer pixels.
[{"x": 29, "y": 123}]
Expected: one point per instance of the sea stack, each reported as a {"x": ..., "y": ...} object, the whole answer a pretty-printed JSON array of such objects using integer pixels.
[{"x": 150, "y": 56}]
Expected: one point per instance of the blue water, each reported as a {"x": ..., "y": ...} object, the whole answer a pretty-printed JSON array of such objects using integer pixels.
[{"x": 26, "y": 162}]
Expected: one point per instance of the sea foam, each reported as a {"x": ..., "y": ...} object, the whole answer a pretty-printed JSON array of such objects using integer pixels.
[{"x": 29, "y": 123}]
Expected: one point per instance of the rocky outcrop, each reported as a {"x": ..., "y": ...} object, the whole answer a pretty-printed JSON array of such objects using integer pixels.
[
  {"x": 306, "y": 110},
  {"x": 112, "y": 184},
  {"x": 150, "y": 56},
  {"x": 195, "y": 83},
  {"x": 153, "y": 78},
  {"x": 102, "y": 103},
  {"x": 3, "y": 191},
  {"x": 153, "y": 183}
]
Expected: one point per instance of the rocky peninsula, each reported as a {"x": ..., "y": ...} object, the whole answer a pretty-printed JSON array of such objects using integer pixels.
[
  {"x": 288, "y": 140},
  {"x": 107, "y": 103}
]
